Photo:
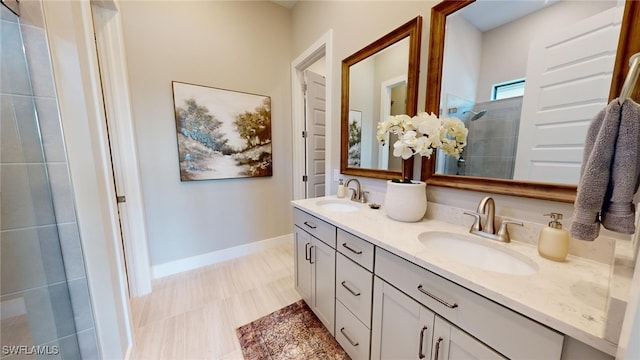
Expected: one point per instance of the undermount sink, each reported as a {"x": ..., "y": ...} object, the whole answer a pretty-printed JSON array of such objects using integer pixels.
[
  {"x": 338, "y": 205},
  {"x": 470, "y": 251}
]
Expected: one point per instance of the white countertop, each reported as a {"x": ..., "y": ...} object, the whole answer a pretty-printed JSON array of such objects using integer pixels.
[{"x": 570, "y": 297}]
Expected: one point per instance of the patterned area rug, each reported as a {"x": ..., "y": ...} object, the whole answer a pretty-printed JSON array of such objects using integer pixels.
[{"x": 293, "y": 332}]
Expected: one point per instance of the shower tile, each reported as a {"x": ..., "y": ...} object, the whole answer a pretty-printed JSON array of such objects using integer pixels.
[
  {"x": 6, "y": 14},
  {"x": 29, "y": 132},
  {"x": 38, "y": 60},
  {"x": 71, "y": 250},
  {"x": 22, "y": 266},
  {"x": 40, "y": 314},
  {"x": 88, "y": 345},
  {"x": 10, "y": 147},
  {"x": 81, "y": 302},
  {"x": 52, "y": 259},
  {"x": 69, "y": 348},
  {"x": 50, "y": 130},
  {"x": 62, "y": 310},
  {"x": 25, "y": 199},
  {"x": 14, "y": 78},
  {"x": 61, "y": 191}
]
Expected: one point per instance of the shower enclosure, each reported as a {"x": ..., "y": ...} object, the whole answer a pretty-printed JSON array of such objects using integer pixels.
[{"x": 46, "y": 311}]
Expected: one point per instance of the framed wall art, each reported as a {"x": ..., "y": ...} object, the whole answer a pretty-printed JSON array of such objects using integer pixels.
[{"x": 221, "y": 134}]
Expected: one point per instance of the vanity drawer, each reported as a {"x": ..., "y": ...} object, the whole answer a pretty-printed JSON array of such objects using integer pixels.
[
  {"x": 354, "y": 286},
  {"x": 510, "y": 333},
  {"x": 352, "y": 335},
  {"x": 356, "y": 249},
  {"x": 316, "y": 227}
]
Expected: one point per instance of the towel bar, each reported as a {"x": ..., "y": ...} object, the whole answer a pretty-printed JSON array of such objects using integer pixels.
[{"x": 632, "y": 78}]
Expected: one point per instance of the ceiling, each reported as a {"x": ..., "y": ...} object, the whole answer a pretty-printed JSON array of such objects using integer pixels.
[{"x": 285, "y": 3}]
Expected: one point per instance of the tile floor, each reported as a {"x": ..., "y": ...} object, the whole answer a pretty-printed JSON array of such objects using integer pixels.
[{"x": 193, "y": 315}]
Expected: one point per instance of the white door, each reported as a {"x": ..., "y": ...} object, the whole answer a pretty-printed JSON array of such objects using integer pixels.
[
  {"x": 567, "y": 84},
  {"x": 315, "y": 134}
]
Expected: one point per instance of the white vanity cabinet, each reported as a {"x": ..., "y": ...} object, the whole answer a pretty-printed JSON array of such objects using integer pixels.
[
  {"x": 509, "y": 333},
  {"x": 404, "y": 329},
  {"x": 315, "y": 264}
]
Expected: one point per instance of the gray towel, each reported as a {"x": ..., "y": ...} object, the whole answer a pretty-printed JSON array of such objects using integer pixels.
[{"x": 609, "y": 174}]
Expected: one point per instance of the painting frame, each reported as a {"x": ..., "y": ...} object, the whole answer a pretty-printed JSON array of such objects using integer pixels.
[{"x": 221, "y": 133}]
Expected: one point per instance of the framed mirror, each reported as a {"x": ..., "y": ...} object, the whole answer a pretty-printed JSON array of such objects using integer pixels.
[
  {"x": 378, "y": 81},
  {"x": 527, "y": 143}
]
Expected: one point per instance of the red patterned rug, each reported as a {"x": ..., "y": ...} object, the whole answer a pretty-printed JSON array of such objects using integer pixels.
[{"x": 292, "y": 332}]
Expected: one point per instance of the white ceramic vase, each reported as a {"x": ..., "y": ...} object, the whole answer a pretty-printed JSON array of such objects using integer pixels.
[{"x": 406, "y": 202}]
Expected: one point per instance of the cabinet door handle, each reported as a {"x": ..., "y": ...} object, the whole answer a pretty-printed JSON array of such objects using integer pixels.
[
  {"x": 450, "y": 306},
  {"x": 353, "y": 343},
  {"x": 307, "y": 255},
  {"x": 344, "y": 284},
  {"x": 311, "y": 255},
  {"x": 311, "y": 225},
  {"x": 437, "y": 348},
  {"x": 420, "y": 354},
  {"x": 357, "y": 252}
]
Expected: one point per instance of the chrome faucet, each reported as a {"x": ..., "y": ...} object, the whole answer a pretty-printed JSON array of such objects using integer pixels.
[
  {"x": 357, "y": 194},
  {"x": 487, "y": 207}
]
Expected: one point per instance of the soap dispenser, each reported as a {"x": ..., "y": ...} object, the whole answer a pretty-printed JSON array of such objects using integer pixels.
[
  {"x": 553, "y": 242},
  {"x": 342, "y": 191}
]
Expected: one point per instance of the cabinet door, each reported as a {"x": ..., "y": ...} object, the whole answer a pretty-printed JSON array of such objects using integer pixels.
[
  {"x": 323, "y": 260},
  {"x": 303, "y": 264},
  {"x": 451, "y": 343},
  {"x": 401, "y": 328}
]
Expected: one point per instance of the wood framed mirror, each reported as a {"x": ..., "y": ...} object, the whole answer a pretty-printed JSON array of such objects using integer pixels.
[
  {"x": 378, "y": 81},
  {"x": 628, "y": 44}
]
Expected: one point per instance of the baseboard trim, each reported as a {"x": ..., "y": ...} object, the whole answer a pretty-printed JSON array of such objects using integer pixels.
[{"x": 194, "y": 262}]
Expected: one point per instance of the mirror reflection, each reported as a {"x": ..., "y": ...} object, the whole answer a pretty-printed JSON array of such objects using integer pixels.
[
  {"x": 527, "y": 77},
  {"x": 377, "y": 89},
  {"x": 378, "y": 81}
]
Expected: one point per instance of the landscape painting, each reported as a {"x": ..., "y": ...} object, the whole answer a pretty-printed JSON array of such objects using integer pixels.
[{"x": 222, "y": 134}]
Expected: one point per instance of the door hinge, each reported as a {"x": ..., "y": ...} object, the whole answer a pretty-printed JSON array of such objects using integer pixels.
[
  {"x": 304, "y": 134},
  {"x": 304, "y": 87},
  {"x": 121, "y": 199},
  {"x": 305, "y": 178}
]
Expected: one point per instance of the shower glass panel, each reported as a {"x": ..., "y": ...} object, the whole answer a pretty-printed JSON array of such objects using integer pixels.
[{"x": 44, "y": 298}]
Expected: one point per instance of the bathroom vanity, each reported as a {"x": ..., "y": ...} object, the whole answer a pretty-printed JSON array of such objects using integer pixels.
[{"x": 390, "y": 290}]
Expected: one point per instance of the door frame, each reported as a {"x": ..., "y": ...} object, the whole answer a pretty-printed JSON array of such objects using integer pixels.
[
  {"x": 111, "y": 55},
  {"x": 320, "y": 48}
]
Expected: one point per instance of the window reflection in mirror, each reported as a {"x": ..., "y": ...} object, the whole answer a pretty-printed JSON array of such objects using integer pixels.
[{"x": 565, "y": 50}]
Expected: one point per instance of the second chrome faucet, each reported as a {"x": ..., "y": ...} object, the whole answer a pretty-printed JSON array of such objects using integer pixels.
[{"x": 487, "y": 207}]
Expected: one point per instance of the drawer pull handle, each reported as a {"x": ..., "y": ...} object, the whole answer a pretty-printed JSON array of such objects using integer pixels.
[
  {"x": 357, "y": 252},
  {"x": 307, "y": 255},
  {"x": 348, "y": 339},
  {"x": 311, "y": 225},
  {"x": 438, "y": 348},
  {"x": 450, "y": 306},
  {"x": 344, "y": 284},
  {"x": 310, "y": 255},
  {"x": 420, "y": 354}
]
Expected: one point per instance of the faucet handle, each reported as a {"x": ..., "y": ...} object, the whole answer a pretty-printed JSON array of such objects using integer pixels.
[
  {"x": 503, "y": 232},
  {"x": 363, "y": 197},
  {"x": 477, "y": 226}
]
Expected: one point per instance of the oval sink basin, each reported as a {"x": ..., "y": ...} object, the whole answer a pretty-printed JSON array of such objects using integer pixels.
[
  {"x": 472, "y": 252},
  {"x": 338, "y": 205}
]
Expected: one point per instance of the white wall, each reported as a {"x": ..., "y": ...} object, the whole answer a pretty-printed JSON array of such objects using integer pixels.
[
  {"x": 461, "y": 61},
  {"x": 235, "y": 45}
]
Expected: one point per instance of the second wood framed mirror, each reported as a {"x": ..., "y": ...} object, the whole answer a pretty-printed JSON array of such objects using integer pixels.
[
  {"x": 446, "y": 96},
  {"x": 378, "y": 81}
]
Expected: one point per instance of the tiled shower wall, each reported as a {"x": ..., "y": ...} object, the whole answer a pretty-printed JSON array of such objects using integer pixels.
[
  {"x": 44, "y": 292},
  {"x": 493, "y": 139}
]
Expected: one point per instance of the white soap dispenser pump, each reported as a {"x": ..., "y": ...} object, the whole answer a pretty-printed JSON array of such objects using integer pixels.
[{"x": 553, "y": 242}]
